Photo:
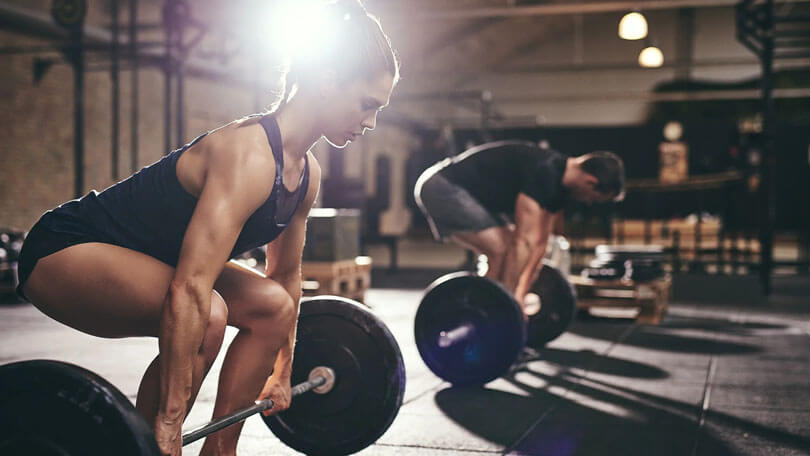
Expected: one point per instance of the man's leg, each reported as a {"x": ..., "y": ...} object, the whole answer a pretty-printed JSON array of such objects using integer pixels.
[{"x": 491, "y": 242}]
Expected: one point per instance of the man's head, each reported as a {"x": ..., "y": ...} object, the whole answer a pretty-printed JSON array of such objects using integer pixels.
[{"x": 595, "y": 177}]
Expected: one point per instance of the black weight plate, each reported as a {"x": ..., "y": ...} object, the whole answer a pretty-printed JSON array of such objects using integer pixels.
[
  {"x": 621, "y": 252},
  {"x": 628, "y": 248},
  {"x": 558, "y": 306},
  {"x": 497, "y": 340},
  {"x": 604, "y": 273},
  {"x": 620, "y": 257},
  {"x": 369, "y": 379},
  {"x": 54, "y": 408}
]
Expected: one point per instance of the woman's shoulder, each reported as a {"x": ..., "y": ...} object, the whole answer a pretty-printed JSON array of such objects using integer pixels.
[{"x": 240, "y": 148}]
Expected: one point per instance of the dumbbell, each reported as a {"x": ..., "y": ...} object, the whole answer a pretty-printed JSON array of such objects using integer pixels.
[
  {"x": 469, "y": 329},
  {"x": 344, "y": 356}
]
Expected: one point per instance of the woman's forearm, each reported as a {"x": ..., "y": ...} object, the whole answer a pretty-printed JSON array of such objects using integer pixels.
[
  {"x": 182, "y": 328},
  {"x": 283, "y": 365}
]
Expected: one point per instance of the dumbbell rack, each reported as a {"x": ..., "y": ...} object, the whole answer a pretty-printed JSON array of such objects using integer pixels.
[
  {"x": 650, "y": 298},
  {"x": 348, "y": 278}
]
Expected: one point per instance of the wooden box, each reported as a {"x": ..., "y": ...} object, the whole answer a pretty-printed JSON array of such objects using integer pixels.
[
  {"x": 347, "y": 278},
  {"x": 651, "y": 299}
]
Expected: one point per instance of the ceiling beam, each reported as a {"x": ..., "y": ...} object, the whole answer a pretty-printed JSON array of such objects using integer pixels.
[
  {"x": 566, "y": 8},
  {"x": 550, "y": 68},
  {"x": 707, "y": 95}
]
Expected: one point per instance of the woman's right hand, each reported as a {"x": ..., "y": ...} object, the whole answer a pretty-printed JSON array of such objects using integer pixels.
[{"x": 168, "y": 433}]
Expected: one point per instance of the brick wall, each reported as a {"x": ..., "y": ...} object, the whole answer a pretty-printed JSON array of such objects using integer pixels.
[{"x": 36, "y": 124}]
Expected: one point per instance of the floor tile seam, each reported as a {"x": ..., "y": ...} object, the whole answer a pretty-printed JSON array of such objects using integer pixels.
[
  {"x": 707, "y": 390},
  {"x": 423, "y": 393},
  {"x": 715, "y": 408},
  {"x": 435, "y": 447},
  {"x": 559, "y": 400}
]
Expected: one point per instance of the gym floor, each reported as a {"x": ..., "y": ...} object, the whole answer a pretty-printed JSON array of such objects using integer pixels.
[{"x": 712, "y": 379}]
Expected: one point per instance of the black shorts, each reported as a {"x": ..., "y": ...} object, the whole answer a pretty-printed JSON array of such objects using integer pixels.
[
  {"x": 49, "y": 235},
  {"x": 450, "y": 208}
]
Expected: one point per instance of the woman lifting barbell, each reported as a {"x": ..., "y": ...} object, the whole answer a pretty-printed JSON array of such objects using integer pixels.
[{"x": 149, "y": 255}]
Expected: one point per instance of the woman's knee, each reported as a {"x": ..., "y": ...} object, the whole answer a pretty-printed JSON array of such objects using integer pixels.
[{"x": 270, "y": 306}]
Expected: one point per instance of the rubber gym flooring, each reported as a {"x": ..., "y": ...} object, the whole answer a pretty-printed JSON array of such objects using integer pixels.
[{"x": 710, "y": 380}]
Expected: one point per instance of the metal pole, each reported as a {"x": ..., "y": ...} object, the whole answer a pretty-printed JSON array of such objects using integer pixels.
[
  {"x": 179, "y": 20},
  {"x": 77, "y": 57},
  {"x": 766, "y": 188},
  {"x": 181, "y": 104},
  {"x": 134, "y": 102},
  {"x": 167, "y": 76},
  {"x": 114, "y": 79}
]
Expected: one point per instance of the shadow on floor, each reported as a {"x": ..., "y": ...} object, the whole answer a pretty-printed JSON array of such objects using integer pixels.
[
  {"x": 542, "y": 423},
  {"x": 598, "y": 418},
  {"x": 593, "y": 362},
  {"x": 660, "y": 338},
  {"x": 741, "y": 328}
]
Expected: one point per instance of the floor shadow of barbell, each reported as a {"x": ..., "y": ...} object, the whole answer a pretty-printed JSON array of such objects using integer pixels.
[
  {"x": 565, "y": 415},
  {"x": 659, "y": 338},
  {"x": 742, "y": 328},
  {"x": 593, "y": 362},
  {"x": 542, "y": 422},
  {"x": 626, "y": 396}
]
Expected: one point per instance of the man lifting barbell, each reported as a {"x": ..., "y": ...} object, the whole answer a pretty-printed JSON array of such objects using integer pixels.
[
  {"x": 149, "y": 255},
  {"x": 499, "y": 199},
  {"x": 471, "y": 329}
]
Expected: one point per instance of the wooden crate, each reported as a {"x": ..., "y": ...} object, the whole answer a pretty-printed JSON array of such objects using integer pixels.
[
  {"x": 650, "y": 298},
  {"x": 348, "y": 278}
]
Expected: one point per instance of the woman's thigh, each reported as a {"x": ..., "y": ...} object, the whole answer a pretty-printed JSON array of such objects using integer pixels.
[{"x": 101, "y": 289}]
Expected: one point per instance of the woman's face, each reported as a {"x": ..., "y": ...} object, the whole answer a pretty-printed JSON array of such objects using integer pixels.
[{"x": 350, "y": 109}]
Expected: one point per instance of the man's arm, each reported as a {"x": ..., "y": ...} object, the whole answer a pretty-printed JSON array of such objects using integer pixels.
[
  {"x": 524, "y": 241},
  {"x": 284, "y": 264},
  {"x": 532, "y": 269}
]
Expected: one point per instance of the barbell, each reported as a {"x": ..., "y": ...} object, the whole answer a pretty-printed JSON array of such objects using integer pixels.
[
  {"x": 469, "y": 329},
  {"x": 344, "y": 354}
]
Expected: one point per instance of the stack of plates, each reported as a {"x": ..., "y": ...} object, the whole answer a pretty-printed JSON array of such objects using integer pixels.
[{"x": 640, "y": 263}]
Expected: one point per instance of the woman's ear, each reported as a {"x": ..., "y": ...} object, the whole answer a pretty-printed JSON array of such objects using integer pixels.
[{"x": 591, "y": 180}]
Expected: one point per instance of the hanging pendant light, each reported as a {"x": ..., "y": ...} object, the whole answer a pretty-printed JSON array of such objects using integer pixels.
[
  {"x": 651, "y": 57},
  {"x": 633, "y": 26}
]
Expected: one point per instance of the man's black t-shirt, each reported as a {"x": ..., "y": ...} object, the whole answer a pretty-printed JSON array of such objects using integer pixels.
[{"x": 494, "y": 173}]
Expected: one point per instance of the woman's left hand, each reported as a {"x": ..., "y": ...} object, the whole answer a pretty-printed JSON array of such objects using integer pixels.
[{"x": 277, "y": 390}]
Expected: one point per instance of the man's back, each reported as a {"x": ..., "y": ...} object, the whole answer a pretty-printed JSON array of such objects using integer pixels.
[{"x": 494, "y": 173}]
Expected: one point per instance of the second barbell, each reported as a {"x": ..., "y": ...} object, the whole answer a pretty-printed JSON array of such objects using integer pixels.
[{"x": 470, "y": 330}]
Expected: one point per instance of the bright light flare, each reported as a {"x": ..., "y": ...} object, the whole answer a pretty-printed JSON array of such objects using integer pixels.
[{"x": 290, "y": 29}]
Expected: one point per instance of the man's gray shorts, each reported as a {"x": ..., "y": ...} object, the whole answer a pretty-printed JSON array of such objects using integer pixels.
[{"x": 448, "y": 207}]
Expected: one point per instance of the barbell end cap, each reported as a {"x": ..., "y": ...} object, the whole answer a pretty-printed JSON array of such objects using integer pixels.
[{"x": 328, "y": 374}]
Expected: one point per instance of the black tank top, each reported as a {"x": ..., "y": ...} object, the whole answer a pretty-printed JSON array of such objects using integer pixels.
[{"x": 150, "y": 211}]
